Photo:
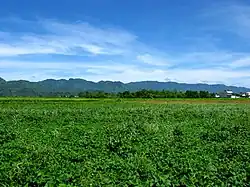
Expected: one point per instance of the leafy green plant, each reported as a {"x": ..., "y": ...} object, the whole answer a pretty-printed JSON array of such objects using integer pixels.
[{"x": 108, "y": 143}]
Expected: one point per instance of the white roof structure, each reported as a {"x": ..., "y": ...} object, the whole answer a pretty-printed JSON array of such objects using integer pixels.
[
  {"x": 229, "y": 92},
  {"x": 217, "y": 96}
]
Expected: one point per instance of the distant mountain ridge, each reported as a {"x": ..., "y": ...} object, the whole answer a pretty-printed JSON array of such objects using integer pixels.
[{"x": 27, "y": 88}]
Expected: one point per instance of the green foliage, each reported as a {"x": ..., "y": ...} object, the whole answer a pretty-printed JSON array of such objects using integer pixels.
[
  {"x": 147, "y": 94},
  {"x": 80, "y": 143}
]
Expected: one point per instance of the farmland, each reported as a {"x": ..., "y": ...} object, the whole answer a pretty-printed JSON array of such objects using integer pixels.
[{"x": 80, "y": 142}]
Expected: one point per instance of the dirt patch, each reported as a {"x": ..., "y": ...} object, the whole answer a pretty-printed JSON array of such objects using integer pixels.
[{"x": 196, "y": 101}]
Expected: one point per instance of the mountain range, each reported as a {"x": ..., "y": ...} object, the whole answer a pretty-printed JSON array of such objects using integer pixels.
[{"x": 73, "y": 86}]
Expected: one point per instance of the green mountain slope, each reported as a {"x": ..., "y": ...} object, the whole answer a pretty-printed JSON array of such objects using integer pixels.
[{"x": 49, "y": 86}]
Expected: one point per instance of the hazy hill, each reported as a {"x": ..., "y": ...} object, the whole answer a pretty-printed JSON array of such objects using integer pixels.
[{"x": 45, "y": 87}]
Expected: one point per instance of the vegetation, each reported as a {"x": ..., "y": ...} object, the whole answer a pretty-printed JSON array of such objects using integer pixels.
[
  {"x": 64, "y": 142},
  {"x": 148, "y": 94}
]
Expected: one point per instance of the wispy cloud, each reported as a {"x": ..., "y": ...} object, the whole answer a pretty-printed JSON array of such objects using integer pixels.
[
  {"x": 239, "y": 17},
  {"x": 21, "y": 49},
  {"x": 153, "y": 60},
  {"x": 78, "y": 39},
  {"x": 70, "y": 65},
  {"x": 68, "y": 39},
  {"x": 229, "y": 16},
  {"x": 215, "y": 59},
  {"x": 241, "y": 63}
]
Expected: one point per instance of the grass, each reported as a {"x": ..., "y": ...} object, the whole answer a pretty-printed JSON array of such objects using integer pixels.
[{"x": 65, "y": 142}]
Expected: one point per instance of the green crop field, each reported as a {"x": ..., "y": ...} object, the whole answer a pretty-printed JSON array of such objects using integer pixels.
[{"x": 80, "y": 142}]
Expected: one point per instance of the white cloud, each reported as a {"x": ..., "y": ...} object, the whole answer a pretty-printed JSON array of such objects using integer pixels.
[
  {"x": 92, "y": 49},
  {"x": 152, "y": 60},
  {"x": 240, "y": 63}
]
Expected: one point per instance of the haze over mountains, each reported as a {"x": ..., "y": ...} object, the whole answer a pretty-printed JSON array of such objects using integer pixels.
[{"x": 27, "y": 88}]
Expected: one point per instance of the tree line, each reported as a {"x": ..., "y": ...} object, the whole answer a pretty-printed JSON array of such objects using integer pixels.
[
  {"x": 147, "y": 94},
  {"x": 101, "y": 94}
]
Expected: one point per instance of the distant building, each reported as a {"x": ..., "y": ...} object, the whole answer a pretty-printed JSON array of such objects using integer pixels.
[
  {"x": 235, "y": 97},
  {"x": 229, "y": 92},
  {"x": 246, "y": 94},
  {"x": 226, "y": 94},
  {"x": 217, "y": 96}
]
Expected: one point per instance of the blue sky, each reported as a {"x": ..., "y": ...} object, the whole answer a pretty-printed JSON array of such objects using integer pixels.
[{"x": 191, "y": 41}]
